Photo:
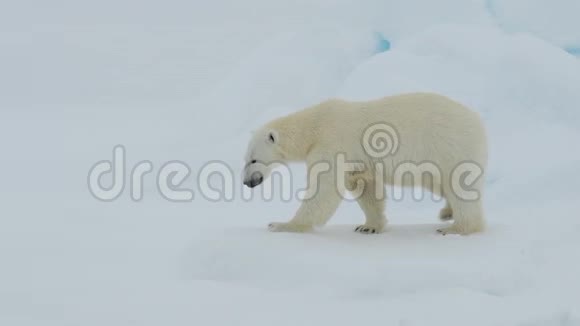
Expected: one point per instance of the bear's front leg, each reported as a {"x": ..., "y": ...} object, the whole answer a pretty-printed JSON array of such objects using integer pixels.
[
  {"x": 321, "y": 201},
  {"x": 372, "y": 202}
]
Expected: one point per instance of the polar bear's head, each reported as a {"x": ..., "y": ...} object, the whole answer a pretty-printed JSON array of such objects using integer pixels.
[{"x": 264, "y": 153}]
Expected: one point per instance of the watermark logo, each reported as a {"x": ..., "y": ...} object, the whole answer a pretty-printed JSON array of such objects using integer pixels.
[
  {"x": 116, "y": 168},
  {"x": 380, "y": 140},
  {"x": 217, "y": 181}
]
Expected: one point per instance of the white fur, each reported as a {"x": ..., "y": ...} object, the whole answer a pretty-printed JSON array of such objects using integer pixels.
[{"x": 430, "y": 128}]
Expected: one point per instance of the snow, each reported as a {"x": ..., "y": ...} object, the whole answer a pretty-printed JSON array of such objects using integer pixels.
[
  {"x": 189, "y": 81},
  {"x": 555, "y": 21}
]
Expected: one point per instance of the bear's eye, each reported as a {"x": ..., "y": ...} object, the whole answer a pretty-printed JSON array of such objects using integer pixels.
[
  {"x": 271, "y": 138},
  {"x": 253, "y": 161}
]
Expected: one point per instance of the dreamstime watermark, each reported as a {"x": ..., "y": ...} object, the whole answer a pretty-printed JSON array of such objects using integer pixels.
[{"x": 382, "y": 173}]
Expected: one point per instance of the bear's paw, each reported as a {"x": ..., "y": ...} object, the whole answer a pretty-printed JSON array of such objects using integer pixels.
[{"x": 289, "y": 227}]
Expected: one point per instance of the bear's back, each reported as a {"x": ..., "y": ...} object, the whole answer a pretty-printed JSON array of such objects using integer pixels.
[{"x": 427, "y": 127}]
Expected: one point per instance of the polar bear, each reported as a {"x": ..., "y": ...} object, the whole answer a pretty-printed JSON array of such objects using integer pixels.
[{"x": 381, "y": 140}]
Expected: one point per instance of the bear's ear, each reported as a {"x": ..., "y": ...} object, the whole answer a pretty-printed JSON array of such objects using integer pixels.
[{"x": 272, "y": 137}]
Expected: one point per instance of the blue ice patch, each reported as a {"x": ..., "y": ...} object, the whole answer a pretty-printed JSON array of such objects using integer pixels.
[
  {"x": 383, "y": 44},
  {"x": 573, "y": 50}
]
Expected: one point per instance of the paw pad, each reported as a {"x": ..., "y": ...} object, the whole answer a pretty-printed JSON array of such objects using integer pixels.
[
  {"x": 442, "y": 231},
  {"x": 365, "y": 229}
]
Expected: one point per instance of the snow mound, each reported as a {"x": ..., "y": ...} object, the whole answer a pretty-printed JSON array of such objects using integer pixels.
[{"x": 554, "y": 21}]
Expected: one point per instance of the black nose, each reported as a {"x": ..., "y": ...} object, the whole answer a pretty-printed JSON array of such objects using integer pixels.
[{"x": 254, "y": 181}]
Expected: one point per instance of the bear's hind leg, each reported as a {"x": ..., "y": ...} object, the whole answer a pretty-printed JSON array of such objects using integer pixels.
[
  {"x": 446, "y": 213},
  {"x": 373, "y": 206},
  {"x": 467, "y": 217}
]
